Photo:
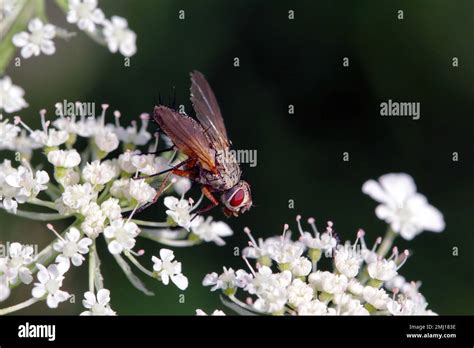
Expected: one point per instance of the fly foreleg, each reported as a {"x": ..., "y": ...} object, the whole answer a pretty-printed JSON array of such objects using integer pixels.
[
  {"x": 186, "y": 161},
  {"x": 214, "y": 202},
  {"x": 183, "y": 173}
]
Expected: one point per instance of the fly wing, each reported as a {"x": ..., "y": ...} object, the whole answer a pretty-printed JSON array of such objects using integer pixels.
[
  {"x": 187, "y": 134},
  {"x": 207, "y": 110}
]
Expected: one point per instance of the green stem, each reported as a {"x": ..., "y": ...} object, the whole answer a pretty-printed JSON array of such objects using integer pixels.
[
  {"x": 53, "y": 191},
  {"x": 138, "y": 264},
  {"x": 98, "y": 278},
  {"x": 41, "y": 203},
  {"x": 150, "y": 223},
  {"x": 92, "y": 267},
  {"x": 19, "y": 306},
  {"x": 40, "y": 216},
  {"x": 170, "y": 242},
  {"x": 387, "y": 242},
  {"x": 104, "y": 193}
]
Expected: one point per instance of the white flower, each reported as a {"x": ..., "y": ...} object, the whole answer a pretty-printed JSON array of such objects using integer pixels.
[
  {"x": 125, "y": 161},
  {"x": 78, "y": 196},
  {"x": 378, "y": 298},
  {"x": 283, "y": 252},
  {"x": 72, "y": 247},
  {"x": 68, "y": 178},
  {"x": 148, "y": 164},
  {"x": 18, "y": 185},
  {"x": 315, "y": 307},
  {"x": 299, "y": 293},
  {"x": 120, "y": 188},
  {"x": 408, "y": 307},
  {"x": 15, "y": 266},
  {"x": 407, "y": 211},
  {"x": 99, "y": 305},
  {"x": 64, "y": 158},
  {"x": 355, "y": 287},
  {"x": 182, "y": 185},
  {"x": 85, "y": 13},
  {"x": 383, "y": 270},
  {"x": 4, "y": 289},
  {"x": 328, "y": 282},
  {"x": 24, "y": 144},
  {"x": 106, "y": 140},
  {"x": 301, "y": 267},
  {"x": 140, "y": 191},
  {"x": 180, "y": 211},
  {"x": 262, "y": 248},
  {"x": 50, "y": 137},
  {"x": 50, "y": 282},
  {"x": 38, "y": 40},
  {"x": 271, "y": 300},
  {"x": 396, "y": 282},
  {"x": 216, "y": 312},
  {"x": 111, "y": 209},
  {"x": 168, "y": 269},
  {"x": 98, "y": 173},
  {"x": 94, "y": 221},
  {"x": 229, "y": 279},
  {"x": 325, "y": 241},
  {"x": 208, "y": 230},
  {"x": 86, "y": 127},
  {"x": 346, "y": 305},
  {"x": 28, "y": 184},
  {"x": 131, "y": 134},
  {"x": 347, "y": 261},
  {"x": 12, "y": 96},
  {"x": 8, "y": 133},
  {"x": 121, "y": 235},
  {"x": 265, "y": 279},
  {"x": 119, "y": 37}
]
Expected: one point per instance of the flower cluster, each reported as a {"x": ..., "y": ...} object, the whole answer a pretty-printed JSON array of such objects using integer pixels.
[
  {"x": 99, "y": 188},
  {"x": 38, "y": 36},
  {"x": 319, "y": 275},
  {"x": 14, "y": 267},
  {"x": 17, "y": 185},
  {"x": 90, "y": 19}
]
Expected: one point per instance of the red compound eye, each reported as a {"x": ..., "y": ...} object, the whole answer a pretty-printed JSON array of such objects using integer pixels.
[{"x": 238, "y": 198}]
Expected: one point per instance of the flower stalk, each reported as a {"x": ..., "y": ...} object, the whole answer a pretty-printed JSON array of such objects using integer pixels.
[{"x": 19, "y": 306}]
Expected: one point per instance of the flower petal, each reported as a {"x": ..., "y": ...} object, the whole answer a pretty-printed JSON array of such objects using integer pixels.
[
  {"x": 38, "y": 291},
  {"x": 166, "y": 254},
  {"x": 399, "y": 186},
  {"x": 103, "y": 296},
  {"x": 180, "y": 280}
]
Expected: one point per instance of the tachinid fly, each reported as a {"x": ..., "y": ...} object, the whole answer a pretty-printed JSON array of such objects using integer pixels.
[{"x": 210, "y": 161}]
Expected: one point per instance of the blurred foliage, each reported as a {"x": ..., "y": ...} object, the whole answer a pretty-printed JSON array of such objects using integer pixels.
[{"x": 286, "y": 62}]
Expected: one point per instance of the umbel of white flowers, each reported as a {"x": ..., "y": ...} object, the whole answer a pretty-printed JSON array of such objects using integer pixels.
[
  {"x": 95, "y": 189},
  {"x": 289, "y": 279},
  {"x": 38, "y": 36}
]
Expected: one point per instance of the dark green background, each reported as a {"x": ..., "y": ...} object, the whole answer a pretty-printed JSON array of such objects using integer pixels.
[{"x": 286, "y": 62}]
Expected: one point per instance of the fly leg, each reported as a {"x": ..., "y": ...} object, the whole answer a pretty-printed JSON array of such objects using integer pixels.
[
  {"x": 157, "y": 195},
  {"x": 214, "y": 202},
  {"x": 186, "y": 161},
  {"x": 185, "y": 173},
  {"x": 161, "y": 151}
]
